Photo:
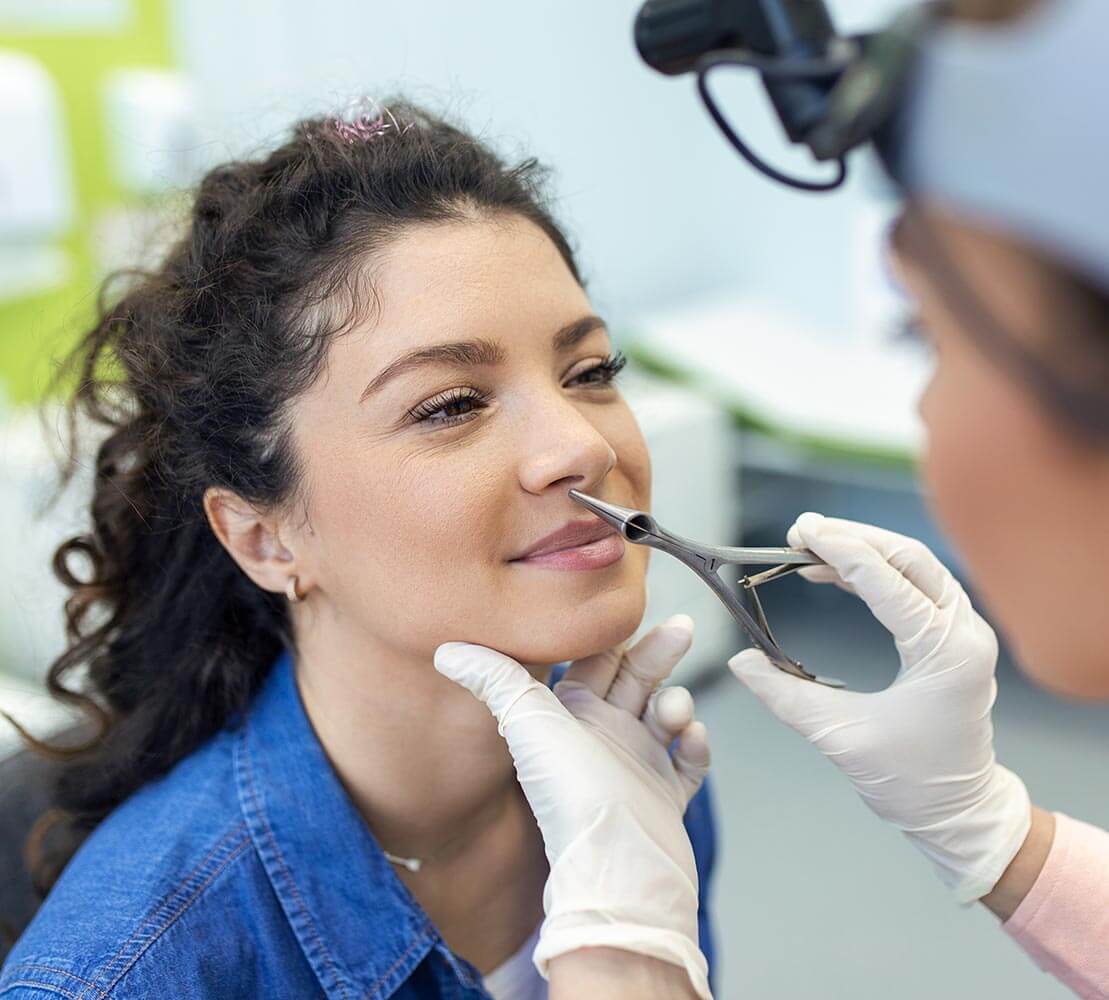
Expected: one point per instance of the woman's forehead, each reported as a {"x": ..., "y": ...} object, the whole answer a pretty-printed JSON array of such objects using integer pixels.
[
  {"x": 501, "y": 283},
  {"x": 457, "y": 252},
  {"x": 482, "y": 276}
]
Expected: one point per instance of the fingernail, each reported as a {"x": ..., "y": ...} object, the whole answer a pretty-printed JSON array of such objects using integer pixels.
[
  {"x": 810, "y": 521},
  {"x": 745, "y": 658},
  {"x": 698, "y": 731},
  {"x": 681, "y": 621},
  {"x": 674, "y": 707},
  {"x": 445, "y": 651}
]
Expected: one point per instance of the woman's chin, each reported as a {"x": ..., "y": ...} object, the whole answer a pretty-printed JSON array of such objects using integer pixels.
[{"x": 575, "y": 632}]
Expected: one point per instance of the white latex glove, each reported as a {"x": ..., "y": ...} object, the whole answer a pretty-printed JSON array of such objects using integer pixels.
[
  {"x": 920, "y": 753},
  {"x": 592, "y": 757}
]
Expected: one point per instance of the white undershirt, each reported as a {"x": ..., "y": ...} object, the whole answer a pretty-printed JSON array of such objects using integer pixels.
[{"x": 517, "y": 978}]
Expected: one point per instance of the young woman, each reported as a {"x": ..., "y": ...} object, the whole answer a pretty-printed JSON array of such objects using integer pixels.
[{"x": 344, "y": 413}]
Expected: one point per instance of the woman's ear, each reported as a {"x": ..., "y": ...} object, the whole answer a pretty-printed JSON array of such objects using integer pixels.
[{"x": 252, "y": 539}]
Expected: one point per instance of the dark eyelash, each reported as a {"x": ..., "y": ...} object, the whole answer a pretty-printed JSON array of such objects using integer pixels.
[
  {"x": 609, "y": 368},
  {"x": 425, "y": 412}
]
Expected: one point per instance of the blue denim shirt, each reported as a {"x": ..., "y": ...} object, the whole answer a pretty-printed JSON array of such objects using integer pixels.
[{"x": 246, "y": 871}]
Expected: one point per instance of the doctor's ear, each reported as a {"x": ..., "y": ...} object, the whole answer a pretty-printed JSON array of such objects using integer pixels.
[{"x": 253, "y": 538}]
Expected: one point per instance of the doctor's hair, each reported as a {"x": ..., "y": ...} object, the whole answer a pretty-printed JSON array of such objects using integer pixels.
[
  {"x": 992, "y": 10},
  {"x": 1067, "y": 362},
  {"x": 190, "y": 370}
]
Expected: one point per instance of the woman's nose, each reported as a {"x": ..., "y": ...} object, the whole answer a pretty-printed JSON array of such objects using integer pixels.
[{"x": 564, "y": 450}]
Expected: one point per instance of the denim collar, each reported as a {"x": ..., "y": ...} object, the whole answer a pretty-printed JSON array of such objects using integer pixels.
[{"x": 360, "y": 928}]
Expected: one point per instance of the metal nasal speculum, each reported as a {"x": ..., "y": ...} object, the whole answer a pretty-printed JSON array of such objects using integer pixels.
[{"x": 641, "y": 528}]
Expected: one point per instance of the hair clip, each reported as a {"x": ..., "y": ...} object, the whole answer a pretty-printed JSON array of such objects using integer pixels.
[{"x": 361, "y": 120}]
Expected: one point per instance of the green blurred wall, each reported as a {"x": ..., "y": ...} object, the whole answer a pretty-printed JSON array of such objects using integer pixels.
[{"x": 35, "y": 328}]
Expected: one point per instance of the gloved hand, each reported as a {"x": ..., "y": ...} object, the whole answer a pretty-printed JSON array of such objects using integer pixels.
[
  {"x": 592, "y": 757},
  {"x": 920, "y": 753}
]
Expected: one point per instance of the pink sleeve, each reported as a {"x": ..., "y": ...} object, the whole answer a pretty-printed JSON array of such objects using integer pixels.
[{"x": 1063, "y": 922}]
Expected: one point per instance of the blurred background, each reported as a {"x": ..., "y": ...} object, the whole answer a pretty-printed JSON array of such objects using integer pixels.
[{"x": 773, "y": 372}]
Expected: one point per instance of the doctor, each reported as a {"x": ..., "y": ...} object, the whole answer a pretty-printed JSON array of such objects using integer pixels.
[{"x": 1005, "y": 246}]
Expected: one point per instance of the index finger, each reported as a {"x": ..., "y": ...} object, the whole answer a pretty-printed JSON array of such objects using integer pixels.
[
  {"x": 909, "y": 556},
  {"x": 649, "y": 662},
  {"x": 893, "y": 598},
  {"x": 632, "y": 674}
]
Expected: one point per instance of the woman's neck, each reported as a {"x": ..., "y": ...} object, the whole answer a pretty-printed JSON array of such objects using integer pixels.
[
  {"x": 423, "y": 763},
  {"x": 420, "y": 756}
]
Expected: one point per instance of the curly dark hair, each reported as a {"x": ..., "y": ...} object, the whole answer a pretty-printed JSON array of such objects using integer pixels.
[{"x": 191, "y": 370}]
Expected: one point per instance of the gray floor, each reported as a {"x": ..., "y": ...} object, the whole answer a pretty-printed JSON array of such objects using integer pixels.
[{"x": 814, "y": 896}]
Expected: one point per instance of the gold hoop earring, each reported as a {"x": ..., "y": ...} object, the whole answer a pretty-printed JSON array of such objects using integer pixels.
[{"x": 291, "y": 591}]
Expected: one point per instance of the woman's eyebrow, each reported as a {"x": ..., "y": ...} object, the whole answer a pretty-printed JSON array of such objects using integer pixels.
[
  {"x": 573, "y": 333},
  {"x": 472, "y": 353}
]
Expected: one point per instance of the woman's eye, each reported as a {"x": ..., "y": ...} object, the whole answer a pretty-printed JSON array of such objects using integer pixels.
[
  {"x": 459, "y": 405},
  {"x": 455, "y": 407},
  {"x": 604, "y": 372}
]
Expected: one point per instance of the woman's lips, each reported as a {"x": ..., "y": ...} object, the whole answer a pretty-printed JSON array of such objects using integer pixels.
[{"x": 591, "y": 555}]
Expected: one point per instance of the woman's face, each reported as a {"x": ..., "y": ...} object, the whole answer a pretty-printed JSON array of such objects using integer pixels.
[
  {"x": 1020, "y": 497},
  {"x": 440, "y": 443}
]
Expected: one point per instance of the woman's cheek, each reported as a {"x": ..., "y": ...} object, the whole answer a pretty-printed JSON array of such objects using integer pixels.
[{"x": 634, "y": 458}]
